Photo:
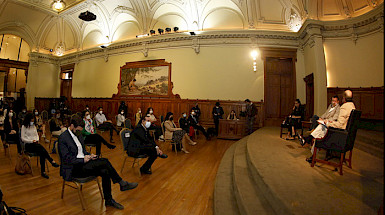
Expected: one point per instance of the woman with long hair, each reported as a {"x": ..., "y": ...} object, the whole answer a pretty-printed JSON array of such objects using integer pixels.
[{"x": 176, "y": 134}]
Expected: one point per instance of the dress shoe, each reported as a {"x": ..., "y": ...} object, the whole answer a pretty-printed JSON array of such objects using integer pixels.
[
  {"x": 301, "y": 140},
  {"x": 44, "y": 175},
  {"x": 163, "y": 156},
  {"x": 55, "y": 165},
  {"x": 128, "y": 186},
  {"x": 114, "y": 204},
  {"x": 145, "y": 172},
  {"x": 110, "y": 146}
]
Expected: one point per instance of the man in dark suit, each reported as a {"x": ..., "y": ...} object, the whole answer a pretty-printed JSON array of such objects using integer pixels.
[
  {"x": 251, "y": 112},
  {"x": 195, "y": 124},
  {"x": 142, "y": 143},
  {"x": 217, "y": 114},
  {"x": 77, "y": 162}
]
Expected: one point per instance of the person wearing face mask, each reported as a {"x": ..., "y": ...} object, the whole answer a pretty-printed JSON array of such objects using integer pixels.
[
  {"x": 142, "y": 143},
  {"x": 120, "y": 119},
  {"x": 183, "y": 123},
  {"x": 77, "y": 162},
  {"x": 123, "y": 107},
  {"x": 104, "y": 124},
  {"x": 156, "y": 128},
  {"x": 90, "y": 135},
  {"x": 138, "y": 116},
  {"x": 178, "y": 135},
  {"x": 11, "y": 130},
  {"x": 195, "y": 124},
  {"x": 217, "y": 114},
  {"x": 39, "y": 124},
  {"x": 21, "y": 115},
  {"x": 197, "y": 111},
  {"x": 30, "y": 138}
]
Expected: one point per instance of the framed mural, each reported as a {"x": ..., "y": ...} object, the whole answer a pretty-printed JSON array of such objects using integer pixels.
[{"x": 150, "y": 78}]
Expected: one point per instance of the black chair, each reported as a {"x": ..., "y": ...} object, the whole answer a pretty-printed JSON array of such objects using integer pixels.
[
  {"x": 340, "y": 141},
  {"x": 285, "y": 124},
  {"x": 127, "y": 123}
]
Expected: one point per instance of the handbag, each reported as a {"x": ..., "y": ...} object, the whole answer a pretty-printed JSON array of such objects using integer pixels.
[{"x": 23, "y": 165}]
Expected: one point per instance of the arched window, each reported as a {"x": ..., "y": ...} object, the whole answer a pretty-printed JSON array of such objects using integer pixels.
[{"x": 14, "y": 48}]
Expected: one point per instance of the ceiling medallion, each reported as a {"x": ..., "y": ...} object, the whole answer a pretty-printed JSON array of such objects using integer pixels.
[{"x": 58, "y": 5}]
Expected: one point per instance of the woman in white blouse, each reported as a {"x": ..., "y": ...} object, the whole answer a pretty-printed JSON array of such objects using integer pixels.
[
  {"x": 120, "y": 119},
  {"x": 30, "y": 138}
]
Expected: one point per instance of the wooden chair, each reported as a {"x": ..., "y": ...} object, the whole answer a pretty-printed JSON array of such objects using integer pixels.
[
  {"x": 125, "y": 137},
  {"x": 169, "y": 141},
  {"x": 340, "y": 141}
]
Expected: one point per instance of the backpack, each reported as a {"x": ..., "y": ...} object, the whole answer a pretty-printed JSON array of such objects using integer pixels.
[{"x": 23, "y": 165}]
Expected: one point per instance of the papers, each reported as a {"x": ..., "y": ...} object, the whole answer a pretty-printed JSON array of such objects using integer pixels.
[{"x": 321, "y": 122}]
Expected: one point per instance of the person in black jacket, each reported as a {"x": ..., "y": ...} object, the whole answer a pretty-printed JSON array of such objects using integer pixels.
[
  {"x": 183, "y": 123},
  {"x": 251, "y": 112},
  {"x": 295, "y": 119},
  {"x": 142, "y": 143},
  {"x": 79, "y": 163},
  {"x": 197, "y": 111},
  {"x": 195, "y": 124},
  {"x": 217, "y": 114},
  {"x": 123, "y": 107},
  {"x": 11, "y": 130}
]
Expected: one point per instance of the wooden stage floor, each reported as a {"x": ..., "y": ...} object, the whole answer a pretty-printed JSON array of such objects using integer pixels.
[{"x": 180, "y": 184}]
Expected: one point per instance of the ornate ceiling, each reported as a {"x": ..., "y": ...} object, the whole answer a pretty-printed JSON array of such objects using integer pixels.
[{"x": 120, "y": 20}]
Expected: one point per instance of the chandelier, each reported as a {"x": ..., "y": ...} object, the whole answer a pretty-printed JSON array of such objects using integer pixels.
[
  {"x": 58, "y": 5},
  {"x": 294, "y": 22}
]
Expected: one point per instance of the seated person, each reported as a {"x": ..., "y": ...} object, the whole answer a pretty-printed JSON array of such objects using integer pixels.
[
  {"x": 40, "y": 126},
  {"x": 232, "y": 116},
  {"x": 138, "y": 116},
  {"x": 120, "y": 119},
  {"x": 123, "y": 107},
  {"x": 11, "y": 130},
  {"x": 103, "y": 123},
  {"x": 195, "y": 124},
  {"x": 2, "y": 119},
  {"x": 21, "y": 115},
  {"x": 77, "y": 162},
  {"x": 87, "y": 109},
  {"x": 171, "y": 132},
  {"x": 55, "y": 125},
  {"x": 90, "y": 135},
  {"x": 343, "y": 118},
  {"x": 30, "y": 138},
  {"x": 132, "y": 86},
  {"x": 331, "y": 113},
  {"x": 294, "y": 120},
  {"x": 157, "y": 129},
  {"x": 141, "y": 143},
  {"x": 183, "y": 123}
]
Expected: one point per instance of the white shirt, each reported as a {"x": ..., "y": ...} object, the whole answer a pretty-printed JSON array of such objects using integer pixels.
[
  {"x": 78, "y": 144},
  {"x": 120, "y": 120},
  {"x": 29, "y": 135},
  {"x": 100, "y": 119}
]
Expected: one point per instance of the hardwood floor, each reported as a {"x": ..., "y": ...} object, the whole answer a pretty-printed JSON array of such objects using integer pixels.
[{"x": 180, "y": 184}]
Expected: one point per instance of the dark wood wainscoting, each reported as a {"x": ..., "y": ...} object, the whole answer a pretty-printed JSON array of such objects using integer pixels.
[
  {"x": 370, "y": 100},
  {"x": 160, "y": 105}
]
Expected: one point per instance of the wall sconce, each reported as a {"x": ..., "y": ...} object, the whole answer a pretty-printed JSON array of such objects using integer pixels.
[{"x": 254, "y": 54}]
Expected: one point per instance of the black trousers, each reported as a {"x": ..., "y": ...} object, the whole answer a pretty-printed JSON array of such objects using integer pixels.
[
  {"x": 40, "y": 151},
  {"x": 152, "y": 156},
  {"x": 216, "y": 123},
  {"x": 200, "y": 128},
  {"x": 108, "y": 126},
  {"x": 99, "y": 167},
  {"x": 97, "y": 140}
]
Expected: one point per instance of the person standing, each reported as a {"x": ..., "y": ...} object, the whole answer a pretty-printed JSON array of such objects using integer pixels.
[
  {"x": 217, "y": 114},
  {"x": 251, "y": 112},
  {"x": 197, "y": 111}
]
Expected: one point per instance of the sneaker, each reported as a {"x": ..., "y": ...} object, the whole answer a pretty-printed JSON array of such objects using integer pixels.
[
  {"x": 114, "y": 204},
  {"x": 193, "y": 143}
]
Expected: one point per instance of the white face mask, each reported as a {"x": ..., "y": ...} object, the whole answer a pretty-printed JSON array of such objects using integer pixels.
[
  {"x": 148, "y": 124},
  {"x": 151, "y": 111},
  {"x": 88, "y": 117},
  {"x": 36, "y": 113},
  {"x": 10, "y": 114},
  {"x": 31, "y": 123},
  {"x": 140, "y": 111},
  {"x": 184, "y": 115},
  {"x": 122, "y": 113},
  {"x": 101, "y": 112}
]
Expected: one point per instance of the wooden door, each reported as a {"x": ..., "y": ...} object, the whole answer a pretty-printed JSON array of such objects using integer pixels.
[
  {"x": 66, "y": 88},
  {"x": 309, "y": 109},
  {"x": 279, "y": 89}
]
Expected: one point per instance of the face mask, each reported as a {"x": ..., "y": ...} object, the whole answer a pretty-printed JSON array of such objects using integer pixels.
[
  {"x": 139, "y": 111},
  {"x": 31, "y": 123},
  {"x": 88, "y": 117},
  {"x": 101, "y": 112},
  {"x": 171, "y": 118},
  {"x": 24, "y": 111},
  {"x": 151, "y": 111},
  {"x": 148, "y": 124},
  {"x": 57, "y": 116},
  {"x": 122, "y": 113},
  {"x": 36, "y": 113},
  {"x": 87, "y": 108},
  {"x": 192, "y": 113},
  {"x": 184, "y": 115},
  {"x": 10, "y": 114}
]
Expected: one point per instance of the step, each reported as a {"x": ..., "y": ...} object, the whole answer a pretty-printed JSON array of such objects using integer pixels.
[
  {"x": 248, "y": 197},
  {"x": 224, "y": 200}
]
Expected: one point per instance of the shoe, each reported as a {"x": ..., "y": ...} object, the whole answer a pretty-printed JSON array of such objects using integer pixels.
[
  {"x": 310, "y": 160},
  {"x": 185, "y": 151},
  {"x": 128, "y": 186},
  {"x": 163, "y": 156},
  {"x": 301, "y": 140},
  {"x": 148, "y": 172},
  {"x": 44, "y": 175},
  {"x": 193, "y": 143},
  {"x": 111, "y": 146},
  {"x": 114, "y": 204},
  {"x": 55, "y": 165}
]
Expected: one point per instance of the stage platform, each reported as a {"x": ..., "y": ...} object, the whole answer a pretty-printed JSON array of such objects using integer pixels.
[{"x": 264, "y": 174}]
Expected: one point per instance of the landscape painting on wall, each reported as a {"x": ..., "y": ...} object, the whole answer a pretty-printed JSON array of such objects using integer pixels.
[{"x": 145, "y": 81}]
